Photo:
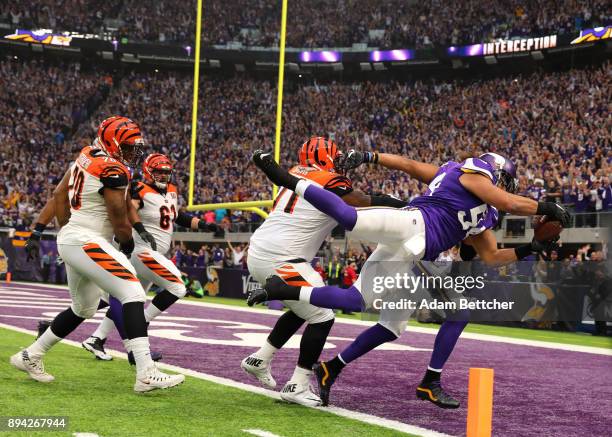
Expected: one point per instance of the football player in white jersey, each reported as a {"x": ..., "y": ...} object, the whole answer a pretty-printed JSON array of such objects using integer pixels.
[
  {"x": 91, "y": 206},
  {"x": 155, "y": 211},
  {"x": 285, "y": 245}
]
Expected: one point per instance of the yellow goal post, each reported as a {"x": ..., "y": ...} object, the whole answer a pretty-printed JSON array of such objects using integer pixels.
[{"x": 255, "y": 205}]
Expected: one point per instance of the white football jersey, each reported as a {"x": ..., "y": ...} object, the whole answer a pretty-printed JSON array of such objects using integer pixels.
[
  {"x": 295, "y": 228},
  {"x": 92, "y": 171},
  {"x": 157, "y": 210}
]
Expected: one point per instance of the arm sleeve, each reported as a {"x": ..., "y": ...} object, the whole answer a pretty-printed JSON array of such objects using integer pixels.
[
  {"x": 184, "y": 220},
  {"x": 339, "y": 185}
]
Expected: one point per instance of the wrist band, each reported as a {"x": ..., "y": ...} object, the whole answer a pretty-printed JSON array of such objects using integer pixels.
[{"x": 523, "y": 251}]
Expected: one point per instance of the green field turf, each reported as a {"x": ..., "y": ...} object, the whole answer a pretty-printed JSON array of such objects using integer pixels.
[
  {"x": 98, "y": 398},
  {"x": 581, "y": 339}
]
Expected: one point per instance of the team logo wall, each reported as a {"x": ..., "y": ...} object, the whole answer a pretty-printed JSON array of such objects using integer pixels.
[
  {"x": 41, "y": 36},
  {"x": 3, "y": 262},
  {"x": 212, "y": 286},
  {"x": 249, "y": 283},
  {"x": 596, "y": 34}
]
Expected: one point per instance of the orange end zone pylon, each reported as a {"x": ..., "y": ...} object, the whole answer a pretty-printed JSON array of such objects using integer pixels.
[{"x": 480, "y": 402}]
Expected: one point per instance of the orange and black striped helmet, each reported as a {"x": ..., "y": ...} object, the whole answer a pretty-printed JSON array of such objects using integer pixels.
[
  {"x": 121, "y": 138},
  {"x": 319, "y": 152},
  {"x": 157, "y": 169}
]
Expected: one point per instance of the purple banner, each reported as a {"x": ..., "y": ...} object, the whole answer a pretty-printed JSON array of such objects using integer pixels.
[
  {"x": 323, "y": 56},
  {"x": 391, "y": 55}
]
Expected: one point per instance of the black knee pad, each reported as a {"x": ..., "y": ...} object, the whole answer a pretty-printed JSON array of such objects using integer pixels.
[
  {"x": 312, "y": 343},
  {"x": 286, "y": 325},
  {"x": 134, "y": 321},
  {"x": 65, "y": 322}
]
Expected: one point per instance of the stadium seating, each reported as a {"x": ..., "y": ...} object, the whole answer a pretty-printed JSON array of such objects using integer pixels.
[
  {"x": 392, "y": 23},
  {"x": 537, "y": 119}
]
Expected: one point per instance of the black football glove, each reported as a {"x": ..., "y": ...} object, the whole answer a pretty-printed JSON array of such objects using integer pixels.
[
  {"x": 128, "y": 247},
  {"x": 536, "y": 246},
  {"x": 145, "y": 235},
  {"x": 32, "y": 246},
  {"x": 148, "y": 238},
  {"x": 554, "y": 212},
  {"x": 354, "y": 158},
  {"x": 544, "y": 246}
]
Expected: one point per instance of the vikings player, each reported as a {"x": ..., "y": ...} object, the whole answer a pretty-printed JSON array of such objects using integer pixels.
[{"x": 461, "y": 202}]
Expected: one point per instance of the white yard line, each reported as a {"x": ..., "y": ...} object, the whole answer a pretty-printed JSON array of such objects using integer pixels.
[
  {"x": 417, "y": 329},
  {"x": 362, "y": 417},
  {"x": 260, "y": 433}
]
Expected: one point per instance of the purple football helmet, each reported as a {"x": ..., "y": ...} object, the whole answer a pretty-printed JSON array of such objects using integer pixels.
[{"x": 505, "y": 171}]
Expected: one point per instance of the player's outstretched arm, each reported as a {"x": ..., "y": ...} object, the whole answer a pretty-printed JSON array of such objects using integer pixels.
[
  {"x": 483, "y": 188},
  {"x": 61, "y": 203},
  {"x": 485, "y": 245},
  {"x": 418, "y": 170},
  {"x": 191, "y": 222},
  {"x": 359, "y": 199}
]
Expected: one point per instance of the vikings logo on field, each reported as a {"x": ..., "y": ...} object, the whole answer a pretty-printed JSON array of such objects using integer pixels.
[{"x": 596, "y": 34}]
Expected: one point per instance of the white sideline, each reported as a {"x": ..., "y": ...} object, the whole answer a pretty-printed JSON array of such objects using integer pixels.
[
  {"x": 469, "y": 335},
  {"x": 362, "y": 417}
]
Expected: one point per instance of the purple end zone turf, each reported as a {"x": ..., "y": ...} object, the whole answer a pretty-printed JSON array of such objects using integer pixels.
[{"x": 538, "y": 391}]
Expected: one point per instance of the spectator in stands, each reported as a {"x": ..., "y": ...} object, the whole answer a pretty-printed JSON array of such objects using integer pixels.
[
  {"x": 218, "y": 255},
  {"x": 334, "y": 271}
]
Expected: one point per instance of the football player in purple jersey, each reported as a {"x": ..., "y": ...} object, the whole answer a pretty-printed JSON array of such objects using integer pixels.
[{"x": 461, "y": 203}]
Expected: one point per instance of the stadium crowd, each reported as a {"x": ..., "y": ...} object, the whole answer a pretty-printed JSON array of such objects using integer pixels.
[
  {"x": 324, "y": 23},
  {"x": 556, "y": 126}
]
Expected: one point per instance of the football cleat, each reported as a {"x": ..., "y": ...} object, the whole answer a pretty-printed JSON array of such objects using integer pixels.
[
  {"x": 32, "y": 366},
  {"x": 300, "y": 394},
  {"x": 95, "y": 345},
  {"x": 258, "y": 295},
  {"x": 260, "y": 369},
  {"x": 155, "y": 356},
  {"x": 43, "y": 325},
  {"x": 434, "y": 393},
  {"x": 154, "y": 379},
  {"x": 325, "y": 379}
]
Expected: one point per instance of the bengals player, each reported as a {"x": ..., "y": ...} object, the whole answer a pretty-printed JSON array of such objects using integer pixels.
[
  {"x": 90, "y": 205},
  {"x": 285, "y": 245},
  {"x": 155, "y": 211}
]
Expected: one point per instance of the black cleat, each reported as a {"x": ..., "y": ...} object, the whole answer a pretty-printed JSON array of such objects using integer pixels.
[
  {"x": 43, "y": 325},
  {"x": 95, "y": 345},
  {"x": 434, "y": 393},
  {"x": 278, "y": 175},
  {"x": 258, "y": 295},
  {"x": 325, "y": 379},
  {"x": 155, "y": 356}
]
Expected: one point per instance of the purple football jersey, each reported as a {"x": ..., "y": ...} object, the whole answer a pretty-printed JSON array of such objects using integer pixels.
[{"x": 451, "y": 213}]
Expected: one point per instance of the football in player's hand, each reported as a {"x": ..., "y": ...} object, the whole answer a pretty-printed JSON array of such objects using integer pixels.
[{"x": 545, "y": 230}]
